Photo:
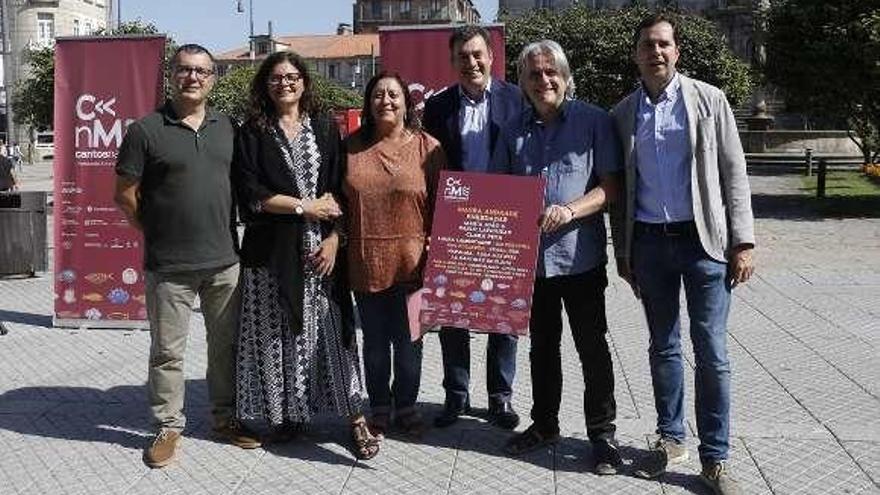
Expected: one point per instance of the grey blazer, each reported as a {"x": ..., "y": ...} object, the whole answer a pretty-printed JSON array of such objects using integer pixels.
[{"x": 722, "y": 202}]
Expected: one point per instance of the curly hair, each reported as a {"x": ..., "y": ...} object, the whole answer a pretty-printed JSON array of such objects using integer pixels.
[{"x": 261, "y": 109}]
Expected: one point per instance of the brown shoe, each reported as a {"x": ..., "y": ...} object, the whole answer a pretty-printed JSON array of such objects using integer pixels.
[
  {"x": 236, "y": 434},
  {"x": 160, "y": 453}
]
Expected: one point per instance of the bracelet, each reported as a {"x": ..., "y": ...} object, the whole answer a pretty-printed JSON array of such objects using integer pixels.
[{"x": 570, "y": 211}]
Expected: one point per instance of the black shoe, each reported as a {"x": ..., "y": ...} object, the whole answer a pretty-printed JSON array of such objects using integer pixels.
[
  {"x": 607, "y": 457},
  {"x": 502, "y": 415},
  {"x": 450, "y": 415}
]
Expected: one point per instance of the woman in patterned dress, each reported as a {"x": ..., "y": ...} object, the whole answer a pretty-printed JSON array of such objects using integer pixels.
[
  {"x": 389, "y": 185},
  {"x": 297, "y": 355}
]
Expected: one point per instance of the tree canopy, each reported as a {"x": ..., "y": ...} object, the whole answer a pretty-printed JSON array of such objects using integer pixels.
[
  {"x": 230, "y": 94},
  {"x": 599, "y": 46},
  {"x": 33, "y": 101},
  {"x": 825, "y": 57}
]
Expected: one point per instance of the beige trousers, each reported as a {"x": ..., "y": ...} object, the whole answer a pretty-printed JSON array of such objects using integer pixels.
[{"x": 170, "y": 298}]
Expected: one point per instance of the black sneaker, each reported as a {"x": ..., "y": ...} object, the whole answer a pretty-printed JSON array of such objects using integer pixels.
[
  {"x": 529, "y": 440},
  {"x": 607, "y": 457}
]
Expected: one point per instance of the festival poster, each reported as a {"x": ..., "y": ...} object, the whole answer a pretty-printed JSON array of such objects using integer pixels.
[
  {"x": 420, "y": 54},
  {"x": 480, "y": 270},
  {"x": 101, "y": 86}
]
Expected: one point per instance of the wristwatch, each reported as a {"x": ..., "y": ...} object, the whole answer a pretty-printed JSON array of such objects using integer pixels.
[{"x": 298, "y": 209}]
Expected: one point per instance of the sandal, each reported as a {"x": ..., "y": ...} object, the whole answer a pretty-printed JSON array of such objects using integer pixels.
[
  {"x": 411, "y": 424},
  {"x": 366, "y": 446},
  {"x": 378, "y": 424},
  {"x": 529, "y": 440}
]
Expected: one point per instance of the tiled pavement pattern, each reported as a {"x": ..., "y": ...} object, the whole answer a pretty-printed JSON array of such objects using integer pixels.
[{"x": 804, "y": 340}]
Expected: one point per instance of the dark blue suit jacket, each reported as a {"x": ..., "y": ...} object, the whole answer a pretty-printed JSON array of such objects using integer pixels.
[{"x": 441, "y": 119}]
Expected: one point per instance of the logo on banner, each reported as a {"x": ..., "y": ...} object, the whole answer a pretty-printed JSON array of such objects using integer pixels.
[
  {"x": 454, "y": 190},
  {"x": 98, "y": 130}
]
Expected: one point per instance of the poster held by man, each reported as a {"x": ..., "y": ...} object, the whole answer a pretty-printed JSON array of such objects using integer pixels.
[{"x": 480, "y": 270}]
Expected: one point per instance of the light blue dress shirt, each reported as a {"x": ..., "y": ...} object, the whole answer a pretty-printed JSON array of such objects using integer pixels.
[
  {"x": 663, "y": 157},
  {"x": 570, "y": 153},
  {"x": 474, "y": 124}
]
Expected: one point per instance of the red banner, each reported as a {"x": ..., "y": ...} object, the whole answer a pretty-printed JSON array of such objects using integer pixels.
[
  {"x": 480, "y": 272},
  {"x": 421, "y": 56},
  {"x": 101, "y": 86}
]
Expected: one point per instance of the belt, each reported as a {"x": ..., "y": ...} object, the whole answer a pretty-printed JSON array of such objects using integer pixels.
[{"x": 672, "y": 229}]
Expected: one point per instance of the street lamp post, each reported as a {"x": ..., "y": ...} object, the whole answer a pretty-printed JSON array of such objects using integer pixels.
[
  {"x": 7, "y": 67},
  {"x": 251, "y": 24}
]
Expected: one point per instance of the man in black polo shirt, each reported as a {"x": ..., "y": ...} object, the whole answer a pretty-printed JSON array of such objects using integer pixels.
[{"x": 173, "y": 184}]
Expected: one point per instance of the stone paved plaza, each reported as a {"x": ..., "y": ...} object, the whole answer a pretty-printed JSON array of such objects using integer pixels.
[{"x": 804, "y": 342}]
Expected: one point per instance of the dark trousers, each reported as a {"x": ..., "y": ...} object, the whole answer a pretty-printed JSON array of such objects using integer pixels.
[
  {"x": 386, "y": 327},
  {"x": 500, "y": 366},
  {"x": 584, "y": 298}
]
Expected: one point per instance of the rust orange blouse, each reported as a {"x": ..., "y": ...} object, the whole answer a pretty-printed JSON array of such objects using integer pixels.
[{"x": 389, "y": 193}]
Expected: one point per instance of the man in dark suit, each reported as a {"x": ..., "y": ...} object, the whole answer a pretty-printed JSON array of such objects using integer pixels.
[{"x": 466, "y": 118}]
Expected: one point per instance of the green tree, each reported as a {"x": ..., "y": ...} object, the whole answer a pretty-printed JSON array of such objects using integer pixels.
[
  {"x": 599, "y": 46},
  {"x": 230, "y": 94},
  {"x": 33, "y": 97},
  {"x": 825, "y": 57},
  {"x": 32, "y": 101}
]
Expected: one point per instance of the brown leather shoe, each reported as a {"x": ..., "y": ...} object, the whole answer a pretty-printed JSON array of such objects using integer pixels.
[
  {"x": 236, "y": 434},
  {"x": 161, "y": 452}
]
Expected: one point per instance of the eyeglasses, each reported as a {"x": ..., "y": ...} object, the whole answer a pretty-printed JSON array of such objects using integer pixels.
[
  {"x": 289, "y": 78},
  {"x": 200, "y": 72}
]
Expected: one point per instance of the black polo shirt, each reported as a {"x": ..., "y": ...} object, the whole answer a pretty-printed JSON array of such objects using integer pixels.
[{"x": 185, "y": 204}]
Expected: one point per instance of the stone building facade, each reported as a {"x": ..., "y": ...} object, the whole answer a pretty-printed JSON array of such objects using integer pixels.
[
  {"x": 345, "y": 58},
  {"x": 370, "y": 14},
  {"x": 35, "y": 24}
]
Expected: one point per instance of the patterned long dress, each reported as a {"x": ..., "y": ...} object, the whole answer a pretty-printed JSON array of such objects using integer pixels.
[{"x": 284, "y": 376}]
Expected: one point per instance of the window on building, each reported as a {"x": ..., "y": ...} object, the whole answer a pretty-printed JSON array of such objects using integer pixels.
[
  {"x": 89, "y": 28},
  {"x": 263, "y": 48},
  {"x": 331, "y": 71},
  {"x": 45, "y": 28},
  {"x": 76, "y": 28},
  {"x": 405, "y": 8},
  {"x": 435, "y": 5},
  {"x": 376, "y": 8},
  {"x": 544, "y": 4}
]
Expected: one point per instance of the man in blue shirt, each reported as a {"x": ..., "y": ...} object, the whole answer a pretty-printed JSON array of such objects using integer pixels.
[
  {"x": 466, "y": 118},
  {"x": 572, "y": 145},
  {"x": 685, "y": 218}
]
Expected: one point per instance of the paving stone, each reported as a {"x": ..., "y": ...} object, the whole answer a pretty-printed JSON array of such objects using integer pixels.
[
  {"x": 804, "y": 336},
  {"x": 808, "y": 466}
]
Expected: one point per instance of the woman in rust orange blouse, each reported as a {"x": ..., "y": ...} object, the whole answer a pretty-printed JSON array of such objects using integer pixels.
[{"x": 389, "y": 187}]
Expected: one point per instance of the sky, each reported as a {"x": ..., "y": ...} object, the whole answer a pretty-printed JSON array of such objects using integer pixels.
[{"x": 217, "y": 25}]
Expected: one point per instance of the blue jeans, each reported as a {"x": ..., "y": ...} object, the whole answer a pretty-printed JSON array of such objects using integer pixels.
[
  {"x": 500, "y": 366},
  {"x": 386, "y": 326},
  {"x": 660, "y": 264}
]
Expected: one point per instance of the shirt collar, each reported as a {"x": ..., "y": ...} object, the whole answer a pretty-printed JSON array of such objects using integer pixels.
[
  {"x": 670, "y": 92},
  {"x": 467, "y": 99},
  {"x": 170, "y": 116},
  {"x": 531, "y": 116}
]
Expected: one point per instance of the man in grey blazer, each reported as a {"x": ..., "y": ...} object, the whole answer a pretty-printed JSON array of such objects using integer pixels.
[{"x": 685, "y": 217}]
